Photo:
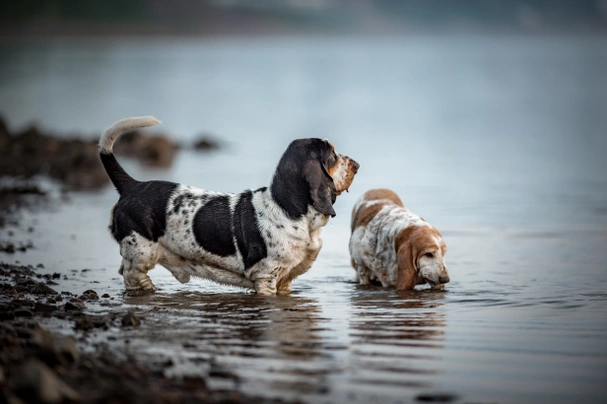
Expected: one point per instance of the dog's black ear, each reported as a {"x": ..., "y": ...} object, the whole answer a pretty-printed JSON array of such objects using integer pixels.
[{"x": 322, "y": 188}]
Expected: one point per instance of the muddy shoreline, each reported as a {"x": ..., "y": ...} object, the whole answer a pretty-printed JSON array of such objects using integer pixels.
[{"x": 39, "y": 366}]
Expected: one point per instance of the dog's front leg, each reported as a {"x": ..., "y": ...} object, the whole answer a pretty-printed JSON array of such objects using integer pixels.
[
  {"x": 284, "y": 287},
  {"x": 266, "y": 287},
  {"x": 136, "y": 278},
  {"x": 139, "y": 255},
  {"x": 265, "y": 278}
]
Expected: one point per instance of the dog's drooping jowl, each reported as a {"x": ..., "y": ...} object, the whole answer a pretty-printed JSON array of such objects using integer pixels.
[
  {"x": 260, "y": 239},
  {"x": 393, "y": 246}
]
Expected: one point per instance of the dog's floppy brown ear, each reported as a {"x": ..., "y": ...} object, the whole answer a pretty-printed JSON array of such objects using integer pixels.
[
  {"x": 322, "y": 188},
  {"x": 406, "y": 253}
]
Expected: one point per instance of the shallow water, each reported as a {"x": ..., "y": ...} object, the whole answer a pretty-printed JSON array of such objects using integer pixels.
[{"x": 499, "y": 142}]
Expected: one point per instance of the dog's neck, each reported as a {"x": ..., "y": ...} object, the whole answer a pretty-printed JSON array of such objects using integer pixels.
[{"x": 311, "y": 219}]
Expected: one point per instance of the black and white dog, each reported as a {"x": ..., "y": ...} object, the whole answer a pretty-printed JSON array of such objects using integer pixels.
[{"x": 260, "y": 239}]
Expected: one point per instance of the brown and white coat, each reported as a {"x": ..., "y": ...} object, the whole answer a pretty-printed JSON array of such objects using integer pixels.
[{"x": 393, "y": 246}]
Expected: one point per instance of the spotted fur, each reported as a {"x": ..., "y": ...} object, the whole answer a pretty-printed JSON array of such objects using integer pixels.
[
  {"x": 393, "y": 246},
  {"x": 261, "y": 239}
]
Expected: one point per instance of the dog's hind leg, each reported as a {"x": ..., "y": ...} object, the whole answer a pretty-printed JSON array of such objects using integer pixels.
[{"x": 139, "y": 255}]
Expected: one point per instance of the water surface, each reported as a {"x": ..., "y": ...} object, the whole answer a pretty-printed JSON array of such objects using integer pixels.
[{"x": 499, "y": 142}]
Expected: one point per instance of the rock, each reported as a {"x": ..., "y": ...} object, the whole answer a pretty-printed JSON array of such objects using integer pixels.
[
  {"x": 152, "y": 150},
  {"x": 130, "y": 320},
  {"x": 6, "y": 314},
  {"x": 88, "y": 322},
  {"x": 436, "y": 398},
  {"x": 22, "y": 312},
  {"x": 206, "y": 142},
  {"x": 105, "y": 295},
  {"x": 73, "y": 306},
  {"x": 44, "y": 308},
  {"x": 100, "y": 321},
  {"x": 89, "y": 295},
  {"x": 35, "y": 382},
  {"x": 42, "y": 289},
  {"x": 83, "y": 324},
  {"x": 8, "y": 336},
  {"x": 56, "y": 349}
]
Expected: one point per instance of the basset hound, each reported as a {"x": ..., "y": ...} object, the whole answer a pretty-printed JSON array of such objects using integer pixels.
[
  {"x": 393, "y": 246},
  {"x": 261, "y": 239}
]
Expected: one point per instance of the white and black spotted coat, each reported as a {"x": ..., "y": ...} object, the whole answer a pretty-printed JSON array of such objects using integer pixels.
[{"x": 261, "y": 239}]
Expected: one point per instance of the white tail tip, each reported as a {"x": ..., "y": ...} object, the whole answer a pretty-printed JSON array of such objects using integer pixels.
[{"x": 124, "y": 125}]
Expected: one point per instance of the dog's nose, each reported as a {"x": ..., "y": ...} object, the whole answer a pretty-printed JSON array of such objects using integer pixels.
[
  {"x": 444, "y": 279},
  {"x": 355, "y": 166}
]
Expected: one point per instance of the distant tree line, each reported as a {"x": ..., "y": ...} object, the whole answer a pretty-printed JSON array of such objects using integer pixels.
[{"x": 346, "y": 13}]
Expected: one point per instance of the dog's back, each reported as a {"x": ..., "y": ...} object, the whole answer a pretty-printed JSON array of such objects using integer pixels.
[{"x": 371, "y": 202}]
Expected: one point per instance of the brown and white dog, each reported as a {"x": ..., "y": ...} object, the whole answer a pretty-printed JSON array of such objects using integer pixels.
[
  {"x": 260, "y": 239},
  {"x": 393, "y": 246}
]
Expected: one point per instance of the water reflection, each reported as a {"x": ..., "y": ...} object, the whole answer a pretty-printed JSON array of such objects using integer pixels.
[
  {"x": 396, "y": 338},
  {"x": 266, "y": 342}
]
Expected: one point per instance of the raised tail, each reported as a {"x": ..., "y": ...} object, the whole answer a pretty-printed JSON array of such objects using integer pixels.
[{"x": 118, "y": 176}]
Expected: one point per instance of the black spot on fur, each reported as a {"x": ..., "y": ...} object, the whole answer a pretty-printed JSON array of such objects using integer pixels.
[
  {"x": 246, "y": 230},
  {"x": 142, "y": 208},
  {"x": 180, "y": 201},
  {"x": 212, "y": 228}
]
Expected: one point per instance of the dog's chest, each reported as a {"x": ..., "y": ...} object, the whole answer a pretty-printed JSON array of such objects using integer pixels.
[{"x": 291, "y": 242}]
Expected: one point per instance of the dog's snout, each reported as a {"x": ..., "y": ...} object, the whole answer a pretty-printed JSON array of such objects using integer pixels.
[
  {"x": 444, "y": 279},
  {"x": 355, "y": 166}
]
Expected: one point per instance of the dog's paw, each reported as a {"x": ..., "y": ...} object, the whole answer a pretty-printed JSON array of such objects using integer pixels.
[
  {"x": 283, "y": 290},
  {"x": 142, "y": 285}
]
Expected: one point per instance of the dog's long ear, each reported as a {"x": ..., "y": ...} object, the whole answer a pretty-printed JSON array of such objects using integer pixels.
[
  {"x": 406, "y": 253},
  {"x": 322, "y": 188}
]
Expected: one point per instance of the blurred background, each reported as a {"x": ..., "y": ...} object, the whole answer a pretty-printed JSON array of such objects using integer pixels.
[
  {"x": 487, "y": 117},
  {"x": 490, "y": 105}
]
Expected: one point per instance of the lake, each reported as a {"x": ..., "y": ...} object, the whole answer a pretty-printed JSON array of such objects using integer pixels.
[{"x": 498, "y": 141}]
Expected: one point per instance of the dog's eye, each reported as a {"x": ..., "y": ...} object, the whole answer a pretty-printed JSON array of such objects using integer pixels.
[{"x": 429, "y": 255}]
